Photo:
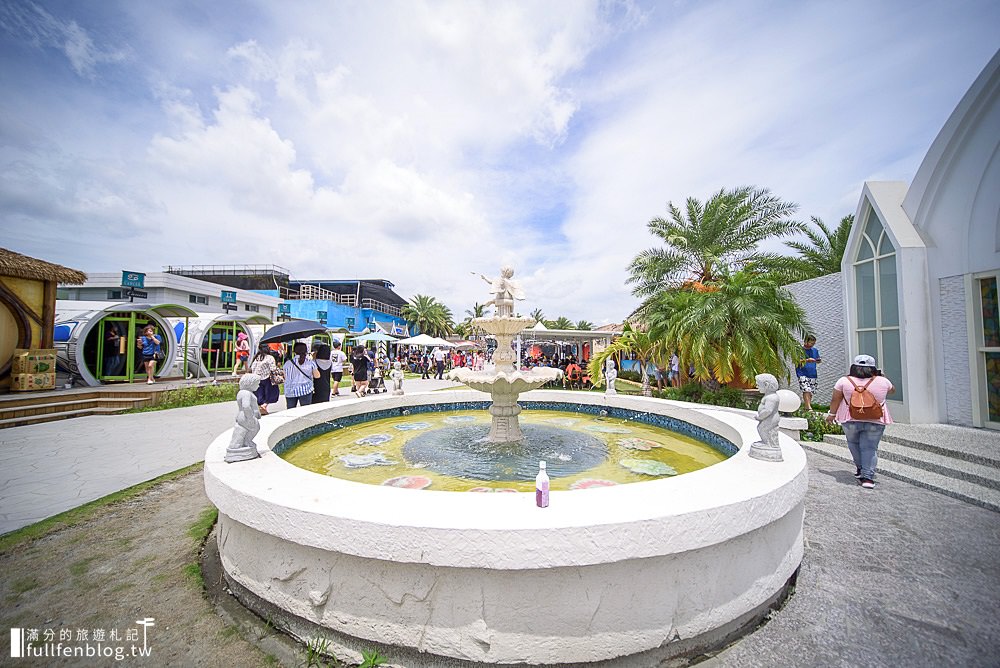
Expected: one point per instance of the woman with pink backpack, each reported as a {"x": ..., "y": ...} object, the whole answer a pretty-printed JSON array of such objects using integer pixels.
[{"x": 858, "y": 405}]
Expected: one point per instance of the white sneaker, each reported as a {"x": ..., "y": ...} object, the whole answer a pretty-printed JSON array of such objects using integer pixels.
[{"x": 150, "y": 382}]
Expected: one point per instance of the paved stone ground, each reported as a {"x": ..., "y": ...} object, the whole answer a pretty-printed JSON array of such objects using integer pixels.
[
  {"x": 895, "y": 576},
  {"x": 48, "y": 468}
]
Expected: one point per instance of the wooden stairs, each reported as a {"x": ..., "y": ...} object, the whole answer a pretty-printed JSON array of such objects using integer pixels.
[{"x": 18, "y": 410}]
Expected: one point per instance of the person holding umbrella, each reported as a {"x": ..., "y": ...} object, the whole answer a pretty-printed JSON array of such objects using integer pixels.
[{"x": 300, "y": 371}]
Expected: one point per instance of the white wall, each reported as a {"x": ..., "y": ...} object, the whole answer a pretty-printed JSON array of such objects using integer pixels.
[
  {"x": 823, "y": 301},
  {"x": 954, "y": 204}
]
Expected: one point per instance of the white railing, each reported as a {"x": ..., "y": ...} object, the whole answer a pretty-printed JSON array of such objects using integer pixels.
[{"x": 380, "y": 306}]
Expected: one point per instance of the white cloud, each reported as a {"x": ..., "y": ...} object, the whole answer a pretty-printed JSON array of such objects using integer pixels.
[
  {"x": 422, "y": 141},
  {"x": 30, "y": 22}
]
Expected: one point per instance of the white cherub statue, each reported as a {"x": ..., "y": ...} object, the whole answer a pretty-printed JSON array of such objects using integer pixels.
[
  {"x": 610, "y": 375},
  {"x": 397, "y": 377},
  {"x": 767, "y": 447},
  {"x": 241, "y": 445},
  {"x": 505, "y": 290}
]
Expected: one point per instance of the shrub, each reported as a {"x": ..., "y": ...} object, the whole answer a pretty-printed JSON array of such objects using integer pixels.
[
  {"x": 818, "y": 426},
  {"x": 192, "y": 396},
  {"x": 699, "y": 394}
]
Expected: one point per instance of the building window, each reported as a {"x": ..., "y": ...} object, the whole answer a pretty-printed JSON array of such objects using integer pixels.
[
  {"x": 877, "y": 301},
  {"x": 988, "y": 346},
  {"x": 251, "y": 307},
  {"x": 198, "y": 299},
  {"x": 114, "y": 294}
]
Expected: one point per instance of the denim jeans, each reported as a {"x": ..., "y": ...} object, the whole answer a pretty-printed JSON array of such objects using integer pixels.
[
  {"x": 292, "y": 402},
  {"x": 862, "y": 440}
]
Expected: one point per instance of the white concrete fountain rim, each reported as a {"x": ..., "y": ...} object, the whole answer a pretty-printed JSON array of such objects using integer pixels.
[{"x": 506, "y": 531}]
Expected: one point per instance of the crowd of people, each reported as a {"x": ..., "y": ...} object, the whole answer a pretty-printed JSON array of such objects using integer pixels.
[
  {"x": 311, "y": 377},
  {"x": 315, "y": 377}
]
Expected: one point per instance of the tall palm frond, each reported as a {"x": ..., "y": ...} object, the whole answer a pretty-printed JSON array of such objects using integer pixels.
[
  {"x": 748, "y": 324},
  {"x": 429, "y": 316},
  {"x": 703, "y": 241},
  {"x": 821, "y": 252}
]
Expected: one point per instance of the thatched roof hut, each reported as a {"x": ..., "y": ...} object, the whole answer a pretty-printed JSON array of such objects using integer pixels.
[{"x": 22, "y": 266}]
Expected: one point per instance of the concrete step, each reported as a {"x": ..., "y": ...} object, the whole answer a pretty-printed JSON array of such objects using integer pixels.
[
  {"x": 51, "y": 417},
  {"x": 970, "y": 449},
  {"x": 970, "y": 492},
  {"x": 953, "y": 466},
  {"x": 116, "y": 403},
  {"x": 17, "y": 399}
]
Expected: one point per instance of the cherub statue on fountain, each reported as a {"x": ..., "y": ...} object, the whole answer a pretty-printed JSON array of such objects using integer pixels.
[
  {"x": 610, "y": 375},
  {"x": 241, "y": 446},
  {"x": 505, "y": 290},
  {"x": 767, "y": 448},
  {"x": 397, "y": 377}
]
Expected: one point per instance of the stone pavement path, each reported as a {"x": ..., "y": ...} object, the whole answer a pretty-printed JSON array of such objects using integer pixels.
[
  {"x": 895, "y": 576},
  {"x": 48, "y": 468}
]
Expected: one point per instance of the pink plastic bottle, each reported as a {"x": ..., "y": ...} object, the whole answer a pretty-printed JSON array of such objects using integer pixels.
[{"x": 542, "y": 486}]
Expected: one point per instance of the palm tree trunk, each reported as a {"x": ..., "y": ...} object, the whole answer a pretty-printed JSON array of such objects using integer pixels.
[{"x": 647, "y": 391}]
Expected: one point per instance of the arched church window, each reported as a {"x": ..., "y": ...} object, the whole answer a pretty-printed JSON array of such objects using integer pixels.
[{"x": 876, "y": 298}]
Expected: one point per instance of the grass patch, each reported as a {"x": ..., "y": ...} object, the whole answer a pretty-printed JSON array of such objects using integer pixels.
[
  {"x": 80, "y": 568},
  {"x": 192, "y": 396},
  {"x": 203, "y": 525},
  {"x": 192, "y": 571},
  {"x": 85, "y": 512},
  {"x": 198, "y": 532},
  {"x": 230, "y": 631},
  {"x": 23, "y": 585},
  {"x": 142, "y": 561}
]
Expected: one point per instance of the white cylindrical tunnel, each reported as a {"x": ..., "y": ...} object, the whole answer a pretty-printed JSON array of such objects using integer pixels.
[{"x": 96, "y": 341}]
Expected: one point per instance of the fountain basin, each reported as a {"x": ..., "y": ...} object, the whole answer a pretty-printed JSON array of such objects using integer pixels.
[
  {"x": 506, "y": 383},
  {"x": 665, "y": 566}
]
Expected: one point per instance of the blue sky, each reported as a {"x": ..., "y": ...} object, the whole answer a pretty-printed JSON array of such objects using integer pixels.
[{"x": 422, "y": 141}]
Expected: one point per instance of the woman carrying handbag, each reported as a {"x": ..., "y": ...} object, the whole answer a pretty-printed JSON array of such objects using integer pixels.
[
  {"x": 300, "y": 371},
  {"x": 264, "y": 367}
]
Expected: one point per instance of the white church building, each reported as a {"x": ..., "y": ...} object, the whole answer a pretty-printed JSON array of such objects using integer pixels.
[{"x": 918, "y": 286}]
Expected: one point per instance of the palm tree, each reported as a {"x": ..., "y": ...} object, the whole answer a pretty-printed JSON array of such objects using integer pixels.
[
  {"x": 562, "y": 322},
  {"x": 477, "y": 311},
  {"x": 822, "y": 253},
  {"x": 429, "y": 316},
  {"x": 467, "y": 329},
  {"x": 585, "y": 325},
  {"x": 740, "y": 325},
  {"x": 706, "y": 240},
  {"x": 645, "y": 346},
  {"x": 538, "y": 316}
]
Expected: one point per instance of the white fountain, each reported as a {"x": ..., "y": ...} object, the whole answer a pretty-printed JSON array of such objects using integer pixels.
[
  {"x": 505, "y": 381},
  {"x": 637, "y": 573}
]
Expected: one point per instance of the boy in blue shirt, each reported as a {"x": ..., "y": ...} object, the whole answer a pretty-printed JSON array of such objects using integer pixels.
[{"x": 806, "y": 370}]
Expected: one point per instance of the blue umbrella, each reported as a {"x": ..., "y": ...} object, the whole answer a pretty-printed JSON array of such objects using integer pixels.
[{"x": 294, "y": 329}]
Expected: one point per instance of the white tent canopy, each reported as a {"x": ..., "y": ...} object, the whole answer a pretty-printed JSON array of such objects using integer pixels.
[
  {"x": 443, "y": 343},
  {"x": 420, "y": 340}
]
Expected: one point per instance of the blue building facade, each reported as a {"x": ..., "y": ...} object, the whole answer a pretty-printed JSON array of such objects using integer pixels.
[{"x": 352, "y": 305}]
